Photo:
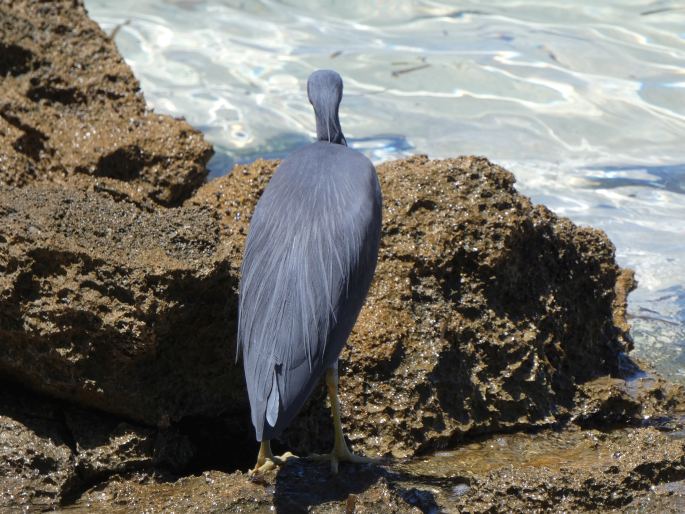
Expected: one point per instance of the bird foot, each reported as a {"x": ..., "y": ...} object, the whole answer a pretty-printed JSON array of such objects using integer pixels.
[
  {"x": 270, "y": 462},
  {"x": 342, "y": 454}
]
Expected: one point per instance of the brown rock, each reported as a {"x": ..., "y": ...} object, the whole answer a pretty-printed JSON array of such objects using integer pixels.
[
  {"x": 606, "y": 402},
  {"x": 105, "y": 446},
  {"x": 36, "y": 461},
  {"x": 115, "y": 307},
  {"x": 51, "y": 451},
  {"x": 583, "y": 471},
  {"x": 658, "y": 398},
  {"x": 485, "y": 314},
  {"x": 571, "y": 471},
  {"x": 71, "y": 106},
  {"x": 625, "y": 283},
  {"x": 298, "y": 488}
]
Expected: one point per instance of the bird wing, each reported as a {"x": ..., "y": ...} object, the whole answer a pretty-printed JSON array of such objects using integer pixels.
[{"x": 309, "y": 259}]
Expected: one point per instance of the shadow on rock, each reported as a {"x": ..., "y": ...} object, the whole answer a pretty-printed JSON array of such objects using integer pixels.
[
  {"x": 302, "y": 484},
  {"x": 305, "y": 486}
]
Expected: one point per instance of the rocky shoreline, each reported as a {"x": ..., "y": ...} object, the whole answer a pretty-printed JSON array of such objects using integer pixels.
[{"x": 489, "y": 366}]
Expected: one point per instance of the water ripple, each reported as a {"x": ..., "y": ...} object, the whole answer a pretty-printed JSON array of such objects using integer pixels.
[{"x": 584, "y": 100}]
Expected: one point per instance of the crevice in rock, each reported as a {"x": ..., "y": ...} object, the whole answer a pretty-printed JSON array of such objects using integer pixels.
[
  {"x": 103, "y": 445},
  {"x": 52, "y": 92},
  {"x": 224, "y": 443},
  {"x": 32, "y": 143},
  {"x": 14, "y": 59},
  {"x": 123, "y": 163}
]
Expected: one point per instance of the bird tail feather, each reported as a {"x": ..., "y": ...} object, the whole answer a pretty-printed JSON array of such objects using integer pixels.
[{"x": 273, "y": 401}]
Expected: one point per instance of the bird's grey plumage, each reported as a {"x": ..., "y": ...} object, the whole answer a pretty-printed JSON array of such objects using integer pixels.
[{"x": 309, "y": 259}]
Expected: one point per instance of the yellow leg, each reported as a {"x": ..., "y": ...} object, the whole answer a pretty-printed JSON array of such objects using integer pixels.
[
  {"x": 266, "y": 460},
  {"x": 340, "y": 450}
]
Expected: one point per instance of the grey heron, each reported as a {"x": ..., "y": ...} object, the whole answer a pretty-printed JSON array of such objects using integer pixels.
[{"x": 309, "y": 258}]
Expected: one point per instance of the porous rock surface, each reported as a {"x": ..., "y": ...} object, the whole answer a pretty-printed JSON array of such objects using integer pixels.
[
  {"x": 36, "y": 461},
  {"x": 70, "y": 105},
  {"x": 115, "y": 307},
  {"x": 486, "y": 314}
]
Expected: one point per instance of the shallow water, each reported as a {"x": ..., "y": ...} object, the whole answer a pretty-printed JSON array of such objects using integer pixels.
[{"x": 584, "y": 101}]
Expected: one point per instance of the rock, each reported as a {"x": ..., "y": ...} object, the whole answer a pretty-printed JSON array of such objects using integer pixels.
[
  {"x": 36, "y": 461},
  {"x": 71, "y": 106},
  {"x": 105, "y": 446},
  {"x": 556, "y": 471},
  {"x": 113, "y": 307},
  {"x": 666, "y": 498},
  {"x": 606, "y": 402},
  {"x": 299, "y": 488},
  {"x": 571, "y": 471},
  {"x": 485, "y": 314},
  {"x": 212, "y": 492},
  {"x": 589, "y": 472},
  {"x": 50, "y": 451}
]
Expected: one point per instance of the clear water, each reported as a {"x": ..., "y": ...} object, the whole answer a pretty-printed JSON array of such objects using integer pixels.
[{"x": 584, "y": 101}]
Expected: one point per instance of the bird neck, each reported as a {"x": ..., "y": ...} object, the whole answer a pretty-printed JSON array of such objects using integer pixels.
[{"x": 328, "y": 128}]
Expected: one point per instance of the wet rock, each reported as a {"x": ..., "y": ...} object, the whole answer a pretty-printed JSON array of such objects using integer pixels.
[
  {"x": 36, "y": 460},
  {"x": 210, "y": 492},
  {"x": 116, "y": 308},
  {"x": 51, "y": 451},
  {"x": 299, "y": 488},
  {"x": 606, "y": 402},
  {"x": 571, "y": 471},
  {"x": 659, "y": 399},
  {"x": 485, "y": 314},
  {"x": 666, "y": 498},
  {"x": 105, "y": 446},
  {"x": 587, "y": 471},
  {"x": 71, "y": 106}
]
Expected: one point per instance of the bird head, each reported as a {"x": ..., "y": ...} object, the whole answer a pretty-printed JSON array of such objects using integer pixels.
[{"x": 325, "y": 89}]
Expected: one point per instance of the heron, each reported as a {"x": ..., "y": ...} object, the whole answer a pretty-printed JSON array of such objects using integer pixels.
[{"x": 308, "y": 262}]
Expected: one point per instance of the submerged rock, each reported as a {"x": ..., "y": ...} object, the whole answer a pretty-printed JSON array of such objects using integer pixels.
[{"x": 71, "y": 106}]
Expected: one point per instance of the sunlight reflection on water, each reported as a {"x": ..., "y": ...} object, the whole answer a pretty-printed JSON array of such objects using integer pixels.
[{"x": 583, "y": 101}]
